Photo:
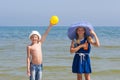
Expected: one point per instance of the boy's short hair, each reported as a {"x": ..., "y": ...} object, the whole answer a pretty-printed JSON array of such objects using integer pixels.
[{"x": 35, "y": 32}]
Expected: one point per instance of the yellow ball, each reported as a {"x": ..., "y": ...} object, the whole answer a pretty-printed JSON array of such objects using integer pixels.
[{"x": 54, "y": 20}]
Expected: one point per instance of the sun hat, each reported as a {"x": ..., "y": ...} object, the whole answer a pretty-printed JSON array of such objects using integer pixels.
[
  {"x": 72, "y": 29},
  {"x": 35, "y": 32}
]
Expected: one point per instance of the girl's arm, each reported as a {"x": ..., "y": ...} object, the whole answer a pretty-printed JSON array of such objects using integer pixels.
[
  {"x": 46, "y": 33},
  {"x": 74, "y": 49},
  {"x": 94, "y": 42},
  {"x": 28, "y": 60}
]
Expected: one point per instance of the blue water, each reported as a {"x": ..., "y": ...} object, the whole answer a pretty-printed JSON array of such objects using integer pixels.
[{"x": 56, "y": 57}]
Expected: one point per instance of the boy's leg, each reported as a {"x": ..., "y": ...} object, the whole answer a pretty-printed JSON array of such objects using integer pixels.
[
  {"x": 32, "y": 76},
  {"x": 79, "y": 76},
  {"x": 87, "y": 76},
  {"x": 32, "y": 72},
  {"x": 39, "y": 75}
]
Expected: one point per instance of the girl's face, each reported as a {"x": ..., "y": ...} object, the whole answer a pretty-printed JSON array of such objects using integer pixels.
[
  {"x": 80, "y": 31},
  {"x": 34, "y": 38}
]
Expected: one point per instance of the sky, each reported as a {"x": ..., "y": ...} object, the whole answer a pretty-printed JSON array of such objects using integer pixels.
[{"x": 38, "y": 12}]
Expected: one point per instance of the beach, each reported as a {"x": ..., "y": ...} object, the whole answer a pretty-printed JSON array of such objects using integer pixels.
[{"x": 57, "y": 60}]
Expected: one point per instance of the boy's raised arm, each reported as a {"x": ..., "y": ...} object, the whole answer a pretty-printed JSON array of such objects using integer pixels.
[{"x": 46, "y": 33}]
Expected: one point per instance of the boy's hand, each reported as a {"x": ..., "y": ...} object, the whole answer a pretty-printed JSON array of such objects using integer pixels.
[
  {"x": 51, "y": 25},
  {"x": 28, "y": 73}
]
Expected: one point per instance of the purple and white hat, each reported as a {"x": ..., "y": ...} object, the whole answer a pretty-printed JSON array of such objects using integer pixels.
[{"x": 72, "y": 30}]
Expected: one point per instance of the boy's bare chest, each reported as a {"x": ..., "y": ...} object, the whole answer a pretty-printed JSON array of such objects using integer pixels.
[{"x": 36, "y": 48}]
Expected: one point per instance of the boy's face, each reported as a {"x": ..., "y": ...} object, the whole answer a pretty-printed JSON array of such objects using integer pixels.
[{"x": 34, "y": 38}]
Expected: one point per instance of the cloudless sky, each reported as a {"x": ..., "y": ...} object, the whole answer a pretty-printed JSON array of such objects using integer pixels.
[{"x": 38, "y": 12}]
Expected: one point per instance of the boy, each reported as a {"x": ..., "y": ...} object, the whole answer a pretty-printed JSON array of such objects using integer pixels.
[{"x": 34, "y": 54}]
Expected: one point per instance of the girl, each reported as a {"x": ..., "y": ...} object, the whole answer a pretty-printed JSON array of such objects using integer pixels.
[{"x": 81, "y": 46}]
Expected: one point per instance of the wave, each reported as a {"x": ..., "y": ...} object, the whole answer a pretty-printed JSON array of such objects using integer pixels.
[
  {"x": 107, "y": 72},
  {"x": 109, "y": 47}
]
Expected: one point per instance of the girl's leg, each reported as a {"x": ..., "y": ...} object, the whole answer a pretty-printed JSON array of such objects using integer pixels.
[
  {"x": 87, "y": 76},
  {"x": 79, "y": 76}
]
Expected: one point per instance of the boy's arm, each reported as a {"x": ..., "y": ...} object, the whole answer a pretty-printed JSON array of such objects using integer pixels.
[
  {"x": 28, "y": 60},
  {"x": 46, "y": 33}
]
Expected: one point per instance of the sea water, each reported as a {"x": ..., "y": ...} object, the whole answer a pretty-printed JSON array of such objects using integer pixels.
[{"x": 57, "y": 60}]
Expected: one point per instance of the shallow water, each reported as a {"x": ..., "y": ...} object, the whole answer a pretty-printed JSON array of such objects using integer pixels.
[{"x": 57, "y": 60}]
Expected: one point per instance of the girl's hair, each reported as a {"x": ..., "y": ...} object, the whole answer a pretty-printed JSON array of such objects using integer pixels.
[{"x": 84, "y": 33}]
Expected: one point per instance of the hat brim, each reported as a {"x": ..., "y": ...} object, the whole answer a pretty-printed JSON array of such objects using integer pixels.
[{"x": 72, "y": 29}]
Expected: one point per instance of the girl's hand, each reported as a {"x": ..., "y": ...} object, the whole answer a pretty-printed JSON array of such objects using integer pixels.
[
  {"x": 92, "y": 32},
  {"x": 94, "y": 42},
  {"x": 85, "y": 46}
]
